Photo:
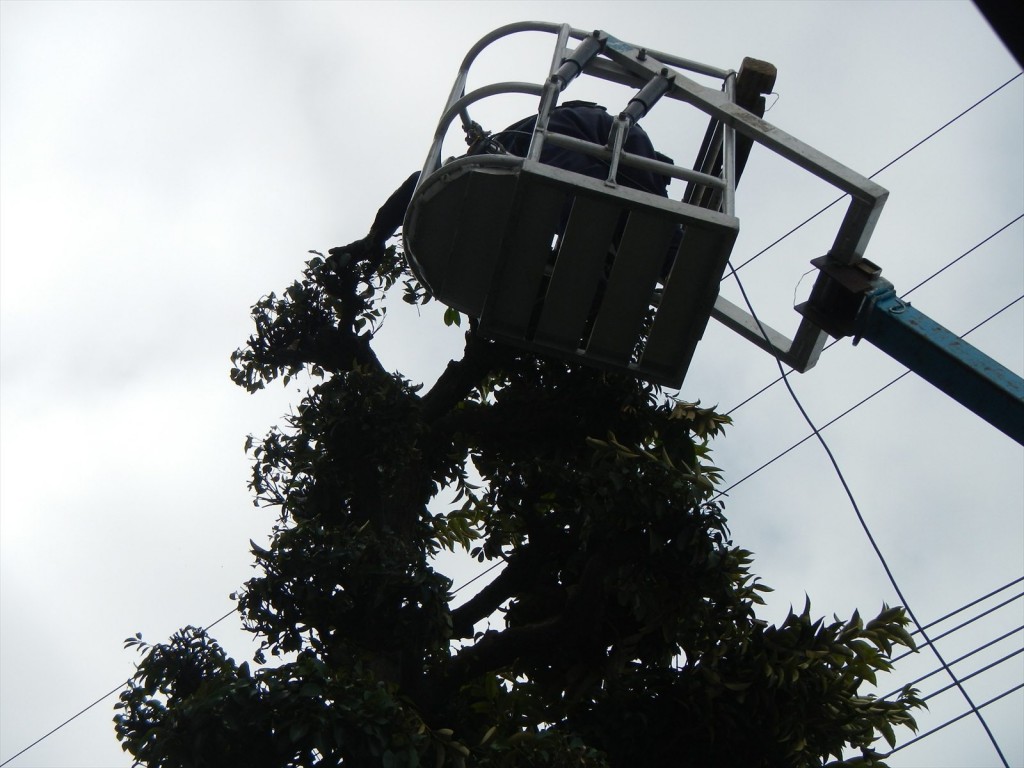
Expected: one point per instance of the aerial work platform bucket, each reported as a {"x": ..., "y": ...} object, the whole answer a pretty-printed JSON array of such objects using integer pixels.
[
  {"x": 608, "y": 287},
  {"x": 593, "y": 269}
]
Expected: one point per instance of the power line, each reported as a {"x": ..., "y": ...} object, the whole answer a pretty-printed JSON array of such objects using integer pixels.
[
  {"x": 800, "y": 442},
  {"x": 962, "y": 255},
  {"x": 863, "y": 523},
  {"x": 70, "y": 719},
  {"x": 959, "y": 717},
  {"x": 853, "y": 407},
  {"x": 866, "y": 528},
  {"x": 975, "y": 650},
  {"x": 958, "y": 627},
  {"x": 975, "y": 673},
  {"x": 904, "y": 295},
  {"x": 884, "y": 167},
  {"x": 966, "y": 656},
  {"x": 964, "y": 607},
  {"x": 127, "y": 682},
  {"x": 479, "y": 576},
  {"x": 86, "y": 709},
  {"x": 218, "y": 621},
  {"x": 974, "y": 602}
]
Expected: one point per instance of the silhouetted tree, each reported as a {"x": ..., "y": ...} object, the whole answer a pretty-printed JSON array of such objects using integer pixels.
[{"x": 619, "y": 631}]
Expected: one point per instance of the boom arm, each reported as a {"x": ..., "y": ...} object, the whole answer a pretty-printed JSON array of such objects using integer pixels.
[{"x": 855, "y": 300}]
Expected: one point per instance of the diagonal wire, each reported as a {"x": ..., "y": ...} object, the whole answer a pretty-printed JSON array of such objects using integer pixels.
[
  {"x": 959, "y": 610},
  {"x": 884, "y": 167},
  {"x": 966, "y": 656},
  {"x": 974, "y": 602},
  {"x": 70, "y": 719},
  {"x": 852, "y": 407},
  {"x": 122, "y": 685},
  {"x": 960, "y": 626},
  {"x": 904, "y": 295},
  {"x": 962, "y": 255},
  {"x": 479, "y": 576},
  {"x": 78, "y": 714},
  {"x": 959, "y": 717},
  {"x": 975, "y": 673},
  {"x": 867, "y": 530}
]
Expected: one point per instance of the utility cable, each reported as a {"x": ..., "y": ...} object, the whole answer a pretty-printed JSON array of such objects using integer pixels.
[
  {"x": 974, "y": 602},
  {"x": 966, "y": 656},
  {"x": 218, "y": 621},
  {"x": 816, "y": 433},
  {"x": 122, "y": 685},
  {"x": 959, "y": 610},
  {"x": 959, "y": 717},
  {"x": 884, "y": 167},
  {"x": 800, "y": 442},
  {"x": 479, "y": 576},
  {"x": 958, "y": 627},
  {"x": 852, "y": 407},
  {"x": 962, "y": 255},
  {"x": 70, "y": 719},
  {"x": 975, "y": 673},
  {"x": 904, "y": 295},
  {"x": 99, "y": 700},
  {"x": 867, "y": 530},
  {"x": 992, "y": 316}
]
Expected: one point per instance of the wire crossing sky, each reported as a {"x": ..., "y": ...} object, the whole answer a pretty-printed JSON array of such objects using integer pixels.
[
  {"x": 957, "y": 683},
  {"x": 896, "y": 159}
]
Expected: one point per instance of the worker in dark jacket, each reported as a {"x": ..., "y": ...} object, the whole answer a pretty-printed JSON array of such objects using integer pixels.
[
  {"x": 579, "y": 119},
  {"x": 590, "y": 122}
]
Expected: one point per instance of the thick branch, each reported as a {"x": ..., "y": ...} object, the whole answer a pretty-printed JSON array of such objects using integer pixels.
[
  {"x": 518, "y": 575},
  {"x": 496, "y": 650},
  {"x": 460, "y": 377},
  {"x": 581, "y": 619}
]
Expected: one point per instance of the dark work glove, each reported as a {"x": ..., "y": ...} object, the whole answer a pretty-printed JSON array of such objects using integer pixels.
[{"x": 366, "y": 249}]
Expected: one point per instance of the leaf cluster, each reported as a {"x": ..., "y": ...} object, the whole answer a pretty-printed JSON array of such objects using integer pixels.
[{"x": 619, "y": 630}]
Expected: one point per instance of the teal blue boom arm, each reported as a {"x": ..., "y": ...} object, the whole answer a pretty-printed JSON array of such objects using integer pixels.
[{"x": 855, "y": 301}]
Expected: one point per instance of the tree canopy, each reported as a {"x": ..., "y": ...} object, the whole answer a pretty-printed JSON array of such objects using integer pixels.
[{"x": 620, "y": 629}]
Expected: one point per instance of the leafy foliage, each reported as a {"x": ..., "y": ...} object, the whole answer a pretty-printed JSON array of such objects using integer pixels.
[{"x": 620, "y": 630}]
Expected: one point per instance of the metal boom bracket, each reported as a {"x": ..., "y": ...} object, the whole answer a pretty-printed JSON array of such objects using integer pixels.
[{"x": 856, "y": 301}]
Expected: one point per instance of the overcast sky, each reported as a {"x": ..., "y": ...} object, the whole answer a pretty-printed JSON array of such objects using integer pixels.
[{"x": 166, "y": 164}]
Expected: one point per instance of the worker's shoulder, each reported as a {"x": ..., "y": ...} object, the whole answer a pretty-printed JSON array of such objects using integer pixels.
[{"x": 581, "y": 105}]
